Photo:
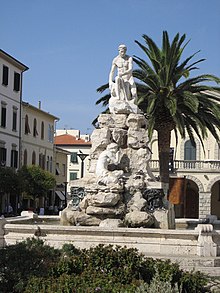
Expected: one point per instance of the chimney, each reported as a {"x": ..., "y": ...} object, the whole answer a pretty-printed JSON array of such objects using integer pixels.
[{"x": 39, "y": 105}]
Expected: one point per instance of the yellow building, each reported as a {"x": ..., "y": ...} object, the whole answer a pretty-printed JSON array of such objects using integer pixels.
[{"x": 37, "y": 144}]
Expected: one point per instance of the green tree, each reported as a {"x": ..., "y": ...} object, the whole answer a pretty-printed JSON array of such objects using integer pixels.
[
  {"x": 9, "y": 182},
  {"x": 170, "y": 98},
  {"x": 36, "y": 181}
]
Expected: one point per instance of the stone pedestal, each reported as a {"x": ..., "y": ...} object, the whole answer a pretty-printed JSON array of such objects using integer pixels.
[
  {"x": 165, "y": 218},
  {"x": 119, "y": 177}
]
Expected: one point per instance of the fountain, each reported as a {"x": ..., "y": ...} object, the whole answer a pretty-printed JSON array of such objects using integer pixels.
[
  {"x": 124, "y": 203},
  {"x": 120, "y": 187}
]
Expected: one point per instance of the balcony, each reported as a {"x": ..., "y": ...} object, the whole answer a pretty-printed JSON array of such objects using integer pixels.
[{"x": 211, "y": 166}]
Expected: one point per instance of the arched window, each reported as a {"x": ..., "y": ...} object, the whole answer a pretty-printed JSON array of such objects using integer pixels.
[
  {"x": 35, "y": 133},
  {"x": 33, "y": 158},
  {"x": 49, "y": 133},
  {"x": 42, "y": 161},
  {"x": 26, "y": 127},
  {"x": 52, "y": 133},
  {"x": 189, "y": 151},
  {"x": 48, "y": 163},
  {"x": 42, "y": 130},
  {"x": 25, "y": 157}
]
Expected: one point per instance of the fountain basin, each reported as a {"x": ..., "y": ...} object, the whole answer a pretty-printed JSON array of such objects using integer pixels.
[{"x": 201, "y": 241}]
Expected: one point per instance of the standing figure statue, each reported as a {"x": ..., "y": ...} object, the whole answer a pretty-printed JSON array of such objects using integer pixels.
[{"x": 124, "y": 87}]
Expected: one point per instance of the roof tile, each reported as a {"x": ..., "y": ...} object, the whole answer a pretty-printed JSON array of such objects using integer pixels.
[{"x": 67, "y": 139}]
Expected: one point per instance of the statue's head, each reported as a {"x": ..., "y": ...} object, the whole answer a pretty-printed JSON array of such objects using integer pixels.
[{"x": 122, "y": 49}]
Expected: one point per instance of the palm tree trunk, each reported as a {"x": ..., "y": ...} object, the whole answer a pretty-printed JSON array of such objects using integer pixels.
[{"x": 164, "y": 138}]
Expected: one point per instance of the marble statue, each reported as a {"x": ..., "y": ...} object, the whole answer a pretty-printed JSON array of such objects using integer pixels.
[
  {"x": 123, "y": 89},
  {"x": 120, "y": 188},
  {"x": 107, "y": 158}
]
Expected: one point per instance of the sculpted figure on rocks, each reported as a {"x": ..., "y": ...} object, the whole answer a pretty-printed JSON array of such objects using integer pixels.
[
  {"x": 106, "y": 165},
  {"x": 123, "y": 89}
]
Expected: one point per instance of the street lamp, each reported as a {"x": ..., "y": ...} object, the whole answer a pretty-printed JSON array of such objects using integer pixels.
[
  {"x": 82, "y": 157},
  {"x": 65, "y": 191}
]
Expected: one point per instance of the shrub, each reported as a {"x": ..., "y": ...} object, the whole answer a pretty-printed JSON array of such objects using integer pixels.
[
  {"x": 194, "y": 282},
  {"x": 22, "y": 260},
  {"x": 31, "y": 266},
  {"x": 123, "y": 264}
]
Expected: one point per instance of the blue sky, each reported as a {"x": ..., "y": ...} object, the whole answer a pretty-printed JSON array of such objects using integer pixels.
[{"x": 69, "y": 45}]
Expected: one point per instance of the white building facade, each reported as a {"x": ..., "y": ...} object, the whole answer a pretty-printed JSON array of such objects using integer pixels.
[{"x": 11, "y": 71}]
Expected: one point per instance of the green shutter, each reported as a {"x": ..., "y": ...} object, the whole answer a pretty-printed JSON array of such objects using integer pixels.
[
  {"x": 73, "y": 175},
  {"x": 74, "y": 158}
]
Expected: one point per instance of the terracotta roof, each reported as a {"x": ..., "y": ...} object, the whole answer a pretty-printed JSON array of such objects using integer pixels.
[{"x": 67, "y": 139}]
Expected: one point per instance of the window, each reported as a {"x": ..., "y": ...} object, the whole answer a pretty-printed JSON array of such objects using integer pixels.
[
  {"x": 33, "y": 158},
  {"x": 189, "y": 155},
  {"x": 73, "y": 175},
  {"x": 35, "y": 133},
  {"x": 14, "y": 158},
  {"x": 50, "y": 133},
  {"x": 42, "y": 130},
  {"x": 42, "y": 161},
  {"x": 189, "y": 151},
  {"x": 3, "y": 154},
  {"x": 5, "y": 75},
  {"x": 16, "y": 82},
  {"x": 51, "y": 164},
  {"x": 26, "y": 127},
  {"x": 48, "y": 163},
  {"x": 25, "y": 158},
  {"x": 58, "y": 169},
  {"x": 14, "y": 119},
  {"x": 64, "y": 170},
  {"x": 74, "y": 158},
  {"x": 3, "y": 115}
]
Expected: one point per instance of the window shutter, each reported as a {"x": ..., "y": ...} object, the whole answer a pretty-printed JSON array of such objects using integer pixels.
[
  {"x": 5, "y": 75},
  {"x": 74, "y": 158},
  {"x": 16, "y": 82}
]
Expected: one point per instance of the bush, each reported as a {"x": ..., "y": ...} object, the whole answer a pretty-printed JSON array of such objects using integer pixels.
[
  {"x": 22, "y": 260},
  {"x": 31, "y": 266}
]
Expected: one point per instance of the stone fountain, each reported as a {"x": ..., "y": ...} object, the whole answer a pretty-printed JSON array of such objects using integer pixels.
[{"x": 120, "y": 188}]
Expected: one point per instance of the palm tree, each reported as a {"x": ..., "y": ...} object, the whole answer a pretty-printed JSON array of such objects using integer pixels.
[
  {"x": 103, "y": 101},
  {"x": 171, "y": 99}
]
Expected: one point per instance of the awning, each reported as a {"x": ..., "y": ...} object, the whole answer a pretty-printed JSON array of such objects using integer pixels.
[{"x": 60, "y": 194}]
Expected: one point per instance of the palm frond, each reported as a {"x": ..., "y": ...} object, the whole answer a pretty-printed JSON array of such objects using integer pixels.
[{"x": 102, "y": 88}]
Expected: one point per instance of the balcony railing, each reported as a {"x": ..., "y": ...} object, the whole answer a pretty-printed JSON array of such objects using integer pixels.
[{"x": 179, "y": 165}]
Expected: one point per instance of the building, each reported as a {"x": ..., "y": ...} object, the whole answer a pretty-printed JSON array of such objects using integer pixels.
[
  {"x": 38, "y": 129},
  {"x": 79, "y": 149},
  {"x": 37, "y": 143},
  {"x": 11, "y": 72},
  {"x": 11, "y": 76},
  {"x": 194, "y": 176},
  {"x": 60, "y": 199}
]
